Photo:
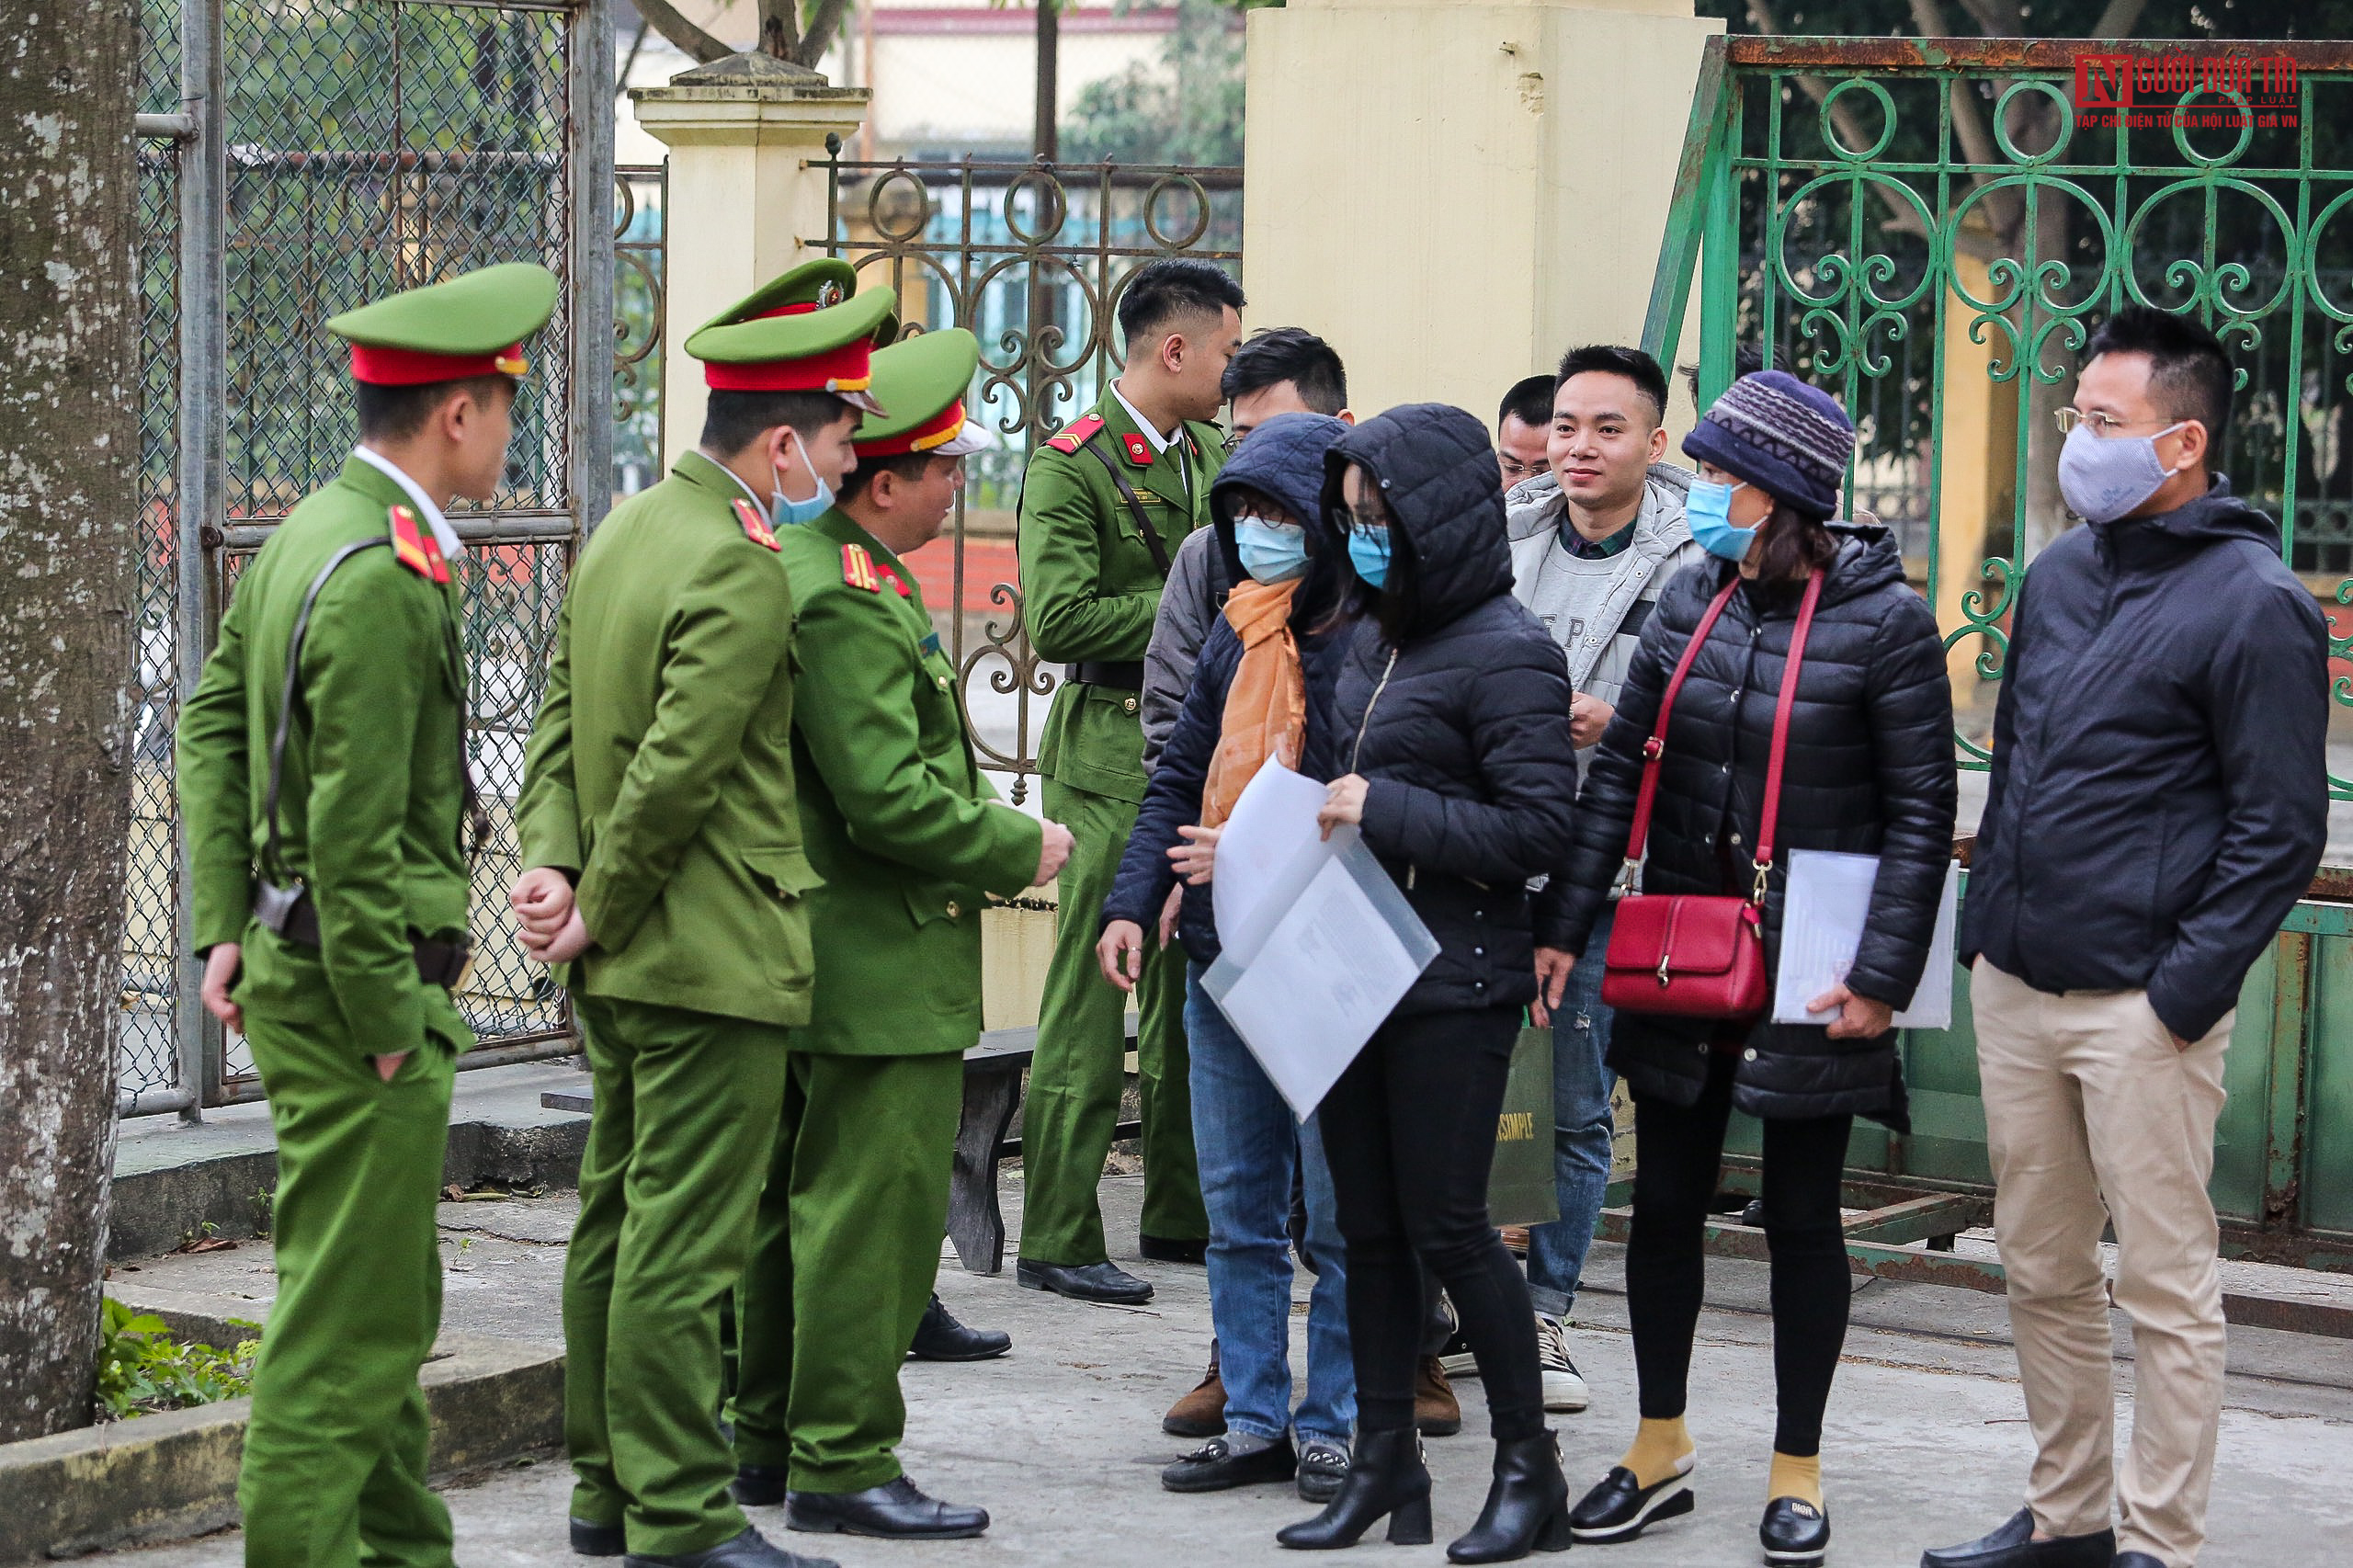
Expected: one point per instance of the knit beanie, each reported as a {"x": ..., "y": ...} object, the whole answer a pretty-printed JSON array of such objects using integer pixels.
[{"x": 1789, "y": 440}]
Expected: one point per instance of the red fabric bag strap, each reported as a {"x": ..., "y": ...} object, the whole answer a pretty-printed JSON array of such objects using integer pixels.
[{"x": 1638, "y": 839}]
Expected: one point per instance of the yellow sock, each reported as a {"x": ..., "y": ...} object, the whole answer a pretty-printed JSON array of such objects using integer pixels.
[
  {"x": 1662, "y": 1451},
  {"x": 1795, "y": 1477}
]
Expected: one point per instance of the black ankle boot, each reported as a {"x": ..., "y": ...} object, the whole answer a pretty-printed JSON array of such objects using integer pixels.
[
  {"x": 1385, "y": 1476},
  {"x": 1528, "y": 1506}
]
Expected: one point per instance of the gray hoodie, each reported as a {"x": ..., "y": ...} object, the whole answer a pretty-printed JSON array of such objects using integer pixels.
[{"x": 1595, "y": 609}]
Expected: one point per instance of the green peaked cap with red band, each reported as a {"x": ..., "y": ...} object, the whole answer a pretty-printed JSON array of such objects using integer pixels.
[
  {"x": 806, "y": 331},
  {"x": 923, "y": 381},
  {"x": 472, "y": 325}
]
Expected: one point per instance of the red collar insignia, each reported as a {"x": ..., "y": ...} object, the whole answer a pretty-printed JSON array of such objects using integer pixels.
[{"x": 1139, "y": 450}]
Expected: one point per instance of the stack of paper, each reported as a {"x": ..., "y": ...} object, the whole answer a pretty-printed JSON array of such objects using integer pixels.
[{"x": 1829, "y": 898}]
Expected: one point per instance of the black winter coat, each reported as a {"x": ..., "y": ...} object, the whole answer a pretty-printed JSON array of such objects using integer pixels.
[
  {"x": 1462, "y": 726},
  {"x": 2159, "y": 796},
  {"x": 1283, "y": 459},
  {"x": 1868, "y": 769}
]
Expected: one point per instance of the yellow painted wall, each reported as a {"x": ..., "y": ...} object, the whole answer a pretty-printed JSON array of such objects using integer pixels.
[{"x": 1455, "y": 193}]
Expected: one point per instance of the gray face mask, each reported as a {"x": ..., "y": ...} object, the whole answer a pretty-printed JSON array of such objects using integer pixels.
[{"x": 2103, "y": 477}]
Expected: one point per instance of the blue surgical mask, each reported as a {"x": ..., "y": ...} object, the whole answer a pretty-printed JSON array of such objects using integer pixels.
[
  {"x": 1707, "y": 510},
  {"x": 1270, "y": 552},
  {"x": 2103, "y": 477},
  {"x": 784, "y": 512},
  {"x": 1369, "y": 553}
]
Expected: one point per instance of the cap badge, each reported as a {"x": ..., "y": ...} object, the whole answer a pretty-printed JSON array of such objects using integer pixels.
[{"x": 829, "y": 293}]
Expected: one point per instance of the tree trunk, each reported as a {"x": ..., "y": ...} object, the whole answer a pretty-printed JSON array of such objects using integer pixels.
[{"x": 69, "y": 451}]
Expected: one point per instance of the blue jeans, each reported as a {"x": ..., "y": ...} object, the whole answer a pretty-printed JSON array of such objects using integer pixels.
[
  {"x": 1249, "y": 1147},
  {"x": 1582, "y": 1083}
]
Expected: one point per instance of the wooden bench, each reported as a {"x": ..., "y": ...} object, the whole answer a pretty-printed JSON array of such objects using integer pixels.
[{"x": 992, "y": 1078}]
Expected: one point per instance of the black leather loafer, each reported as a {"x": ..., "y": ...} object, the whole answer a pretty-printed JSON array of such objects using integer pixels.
[
  {"x": 590, "y": 1538},
  {"x": 1621, "y": 1507},
  {"x": 1323, "y": 1470},
  {"x": 896, "y": 1510},
  {"x": 1165, "y": 1249},
  {"x": 940, "y": 1337},
  {"x": 1084, "y": 1282},
  {"x": 1795, "y": 1533},
  {"x": 1215, "y": 1467},
  {"x": 750, "y": 1550},
  {"x": 2014, "y": 1546}
]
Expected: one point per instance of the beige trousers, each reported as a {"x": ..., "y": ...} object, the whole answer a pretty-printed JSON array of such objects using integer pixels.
[{"x": 2093, "y": 1117}]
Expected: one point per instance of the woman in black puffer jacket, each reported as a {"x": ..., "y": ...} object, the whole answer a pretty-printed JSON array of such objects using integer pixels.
[
  {"x": 1453, "y": 724},
  {"x": 1868, "y": 769}
]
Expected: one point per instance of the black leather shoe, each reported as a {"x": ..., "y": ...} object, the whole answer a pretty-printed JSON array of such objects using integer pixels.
[
  {"x": 2137, "y": 1560},
  {"x": 1527, "y": 1506},
  {"x": 1386, "y": 1477},
  {"x": 940, "y": 1337},
  {"x": 1621, "y": 1507},
  {"x": 1795, "y": 1534},
  {"x": 759, "y": 1485},
  {"x": 1084, "y": 1282},
  {"x": 750, "y": 1550},
  {"x": 1323, "y": 1468},
  {"x": 1215, "y": 1467},
  {"x": 2014, "y": 1546},
  {"x": 896, "y": 1510},
  {"x": 1162, "y": 1249},
  {"x": 590, "y": 1538}
]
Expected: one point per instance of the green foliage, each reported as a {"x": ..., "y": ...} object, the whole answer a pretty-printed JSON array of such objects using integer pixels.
[
  {"x": 1187, "y": 109},
  {"x": 141, "y": 1369}
]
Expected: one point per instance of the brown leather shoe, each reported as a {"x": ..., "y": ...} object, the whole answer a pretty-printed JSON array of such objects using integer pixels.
[
  {"x": 1515, "y": 1238},
  {"x": 1200, "y": 1413},
  {"x": 1437, "y": 1412}
]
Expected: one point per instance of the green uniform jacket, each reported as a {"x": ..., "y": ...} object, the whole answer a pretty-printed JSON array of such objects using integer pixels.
[
  {"x": 1090, "y": 588},
  {"x": 372, "y": 794},
  {"x": 900, "y": 822},
  {"x": 660, "y": 770}
]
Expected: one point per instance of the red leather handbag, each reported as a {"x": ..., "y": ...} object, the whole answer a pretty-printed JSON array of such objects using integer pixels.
[{"x": 1690, "y": 956}]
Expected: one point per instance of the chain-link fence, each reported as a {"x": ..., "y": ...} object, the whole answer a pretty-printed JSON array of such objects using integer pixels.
[{"x": 299, "y": 161}]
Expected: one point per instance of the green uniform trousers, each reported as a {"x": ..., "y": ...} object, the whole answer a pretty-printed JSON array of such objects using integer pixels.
[
  {"x": 686, "y": 1106},
  {"x": 848, "y": 1246},
  {"x": 1073, "y": 1103},
  {"x": 335, "y": 1456}
]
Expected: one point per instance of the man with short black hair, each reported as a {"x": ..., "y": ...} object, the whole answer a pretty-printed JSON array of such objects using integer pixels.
[
  {"x": 1104, "y": 506},
  {"x": 1594, "y": 541},
  {"x": 2158, "y": 802},
  {"x": 1522, "y": 424}
]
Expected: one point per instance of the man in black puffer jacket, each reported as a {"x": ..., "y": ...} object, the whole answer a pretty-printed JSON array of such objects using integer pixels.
[{"x": 2159, "y": 802}]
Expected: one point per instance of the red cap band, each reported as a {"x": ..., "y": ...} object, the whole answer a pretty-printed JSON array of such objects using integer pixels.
[
  {"x": 934, "y": 432},
  {"x": 413, "y": 368},
  {"x": 846, "y": 368}
]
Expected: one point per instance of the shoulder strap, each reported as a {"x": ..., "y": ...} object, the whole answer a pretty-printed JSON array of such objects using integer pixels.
[
  {"x": 1656, "y": 747},
  {"x": 1782, "y": 730},
  {"x": 1152, "y": 540}
]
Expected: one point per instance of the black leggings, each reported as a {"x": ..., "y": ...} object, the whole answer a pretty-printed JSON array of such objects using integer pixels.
[
  {"x": 1677, "y": 1150},
  {"x": 1410, "y": 1132}
]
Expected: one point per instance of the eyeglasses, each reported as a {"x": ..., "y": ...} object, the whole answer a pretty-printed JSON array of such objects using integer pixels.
[
  {"x": 1370, "y": 524},
  {"x": 2103, "y": 424}
]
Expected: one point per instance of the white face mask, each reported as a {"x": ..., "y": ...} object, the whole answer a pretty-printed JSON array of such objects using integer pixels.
[{"x": 2103, "y": 477}]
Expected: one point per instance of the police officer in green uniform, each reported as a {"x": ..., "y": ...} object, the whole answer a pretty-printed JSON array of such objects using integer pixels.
[
  {"x": 1103, "y": 508},
  {"x": 908, "y": 838},
  {"x": 322, "y": 772},
  {"x": 667, "y": 866}
]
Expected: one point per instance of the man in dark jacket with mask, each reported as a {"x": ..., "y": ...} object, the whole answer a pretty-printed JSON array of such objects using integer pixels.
[{"x": 2158, "y": 802}]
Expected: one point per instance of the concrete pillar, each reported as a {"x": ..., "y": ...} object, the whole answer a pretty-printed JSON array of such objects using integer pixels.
[
  {"x": 1455, "y": 193},
  {"x": 747, "y": 197}
]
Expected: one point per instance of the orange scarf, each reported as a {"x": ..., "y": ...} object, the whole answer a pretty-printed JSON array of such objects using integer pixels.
[{"x": 1266, "y": 708}]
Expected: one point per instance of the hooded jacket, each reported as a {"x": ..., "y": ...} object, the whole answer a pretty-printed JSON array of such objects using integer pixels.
[
  {"x": 1461, "y": 725},
  {"x": 2159, "y": 796},
  {"x": 1282, "y": 459},
  {"x": 1868, "y": 770}
]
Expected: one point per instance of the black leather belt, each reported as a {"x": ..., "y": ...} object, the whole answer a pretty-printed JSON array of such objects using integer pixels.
[
  {"x": 294, "y": 917},
  {"x": 1124, "y": 674}
]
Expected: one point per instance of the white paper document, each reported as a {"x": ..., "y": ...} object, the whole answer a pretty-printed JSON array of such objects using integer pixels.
[
  {"x": 1828, "y": 899},
  {"x": 1318, "y": 945}
]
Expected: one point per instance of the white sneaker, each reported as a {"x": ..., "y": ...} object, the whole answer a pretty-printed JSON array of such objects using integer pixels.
[{"x": 1563, "y": 1385}]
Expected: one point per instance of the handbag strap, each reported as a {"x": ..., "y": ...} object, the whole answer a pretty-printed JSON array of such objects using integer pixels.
[{"x": 1654, "y": 748}]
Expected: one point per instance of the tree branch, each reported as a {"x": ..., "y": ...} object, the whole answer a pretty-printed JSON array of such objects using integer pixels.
[
  {"x": 696, "y": 44},
  {"x": 779, "y": 29},
  {"x": 824, "y": 21}
]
